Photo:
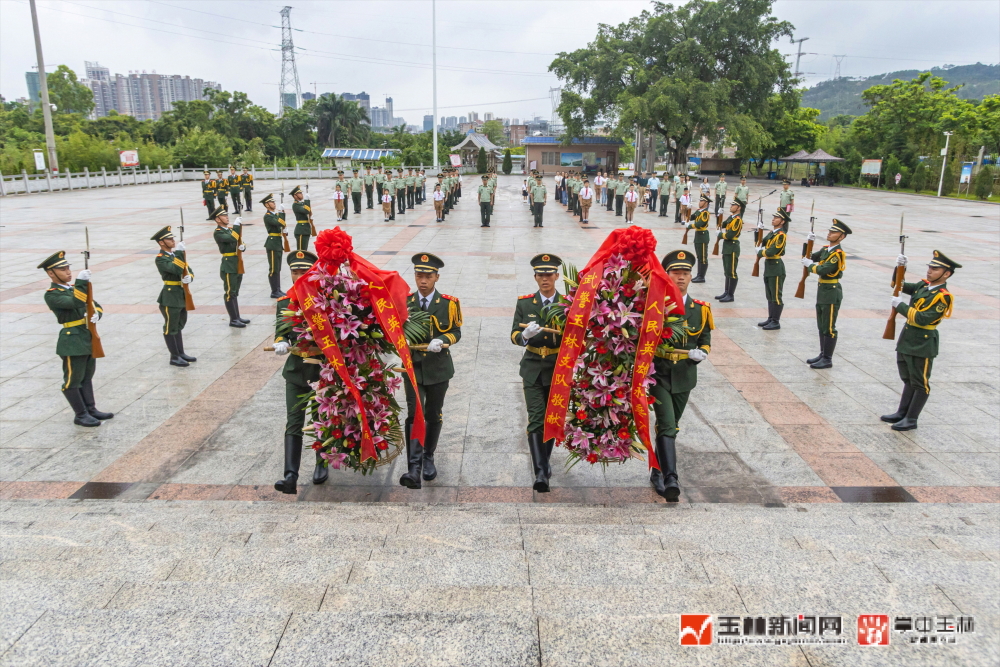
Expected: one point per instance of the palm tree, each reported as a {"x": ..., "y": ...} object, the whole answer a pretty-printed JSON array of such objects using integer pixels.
[{"x": 340, "y": 120}]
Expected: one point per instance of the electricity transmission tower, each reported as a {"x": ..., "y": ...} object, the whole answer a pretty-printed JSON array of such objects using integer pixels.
[
  {"x": 289, "y": 72},
  {"x": 555, "y": 96},
  {"x": 798, "y": 56},
  {"x": 838, "y": 59}
]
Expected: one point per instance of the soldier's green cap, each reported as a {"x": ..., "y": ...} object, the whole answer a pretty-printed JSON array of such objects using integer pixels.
[
  {"x": 783, "y": 214},
  {"x": 219, "y": 211},
  {"x": 162, "y": 235},
  {"x": 208, "y": 172},
  {"x": 705, "y": 197},
  {"x": 424, "y": 262},
  {"x": 546, "y": 263},
  {"x": 485, "y": 177},
  {"x": 786, "y": 182},
  {"x": 355, "y": 170},
  {"x": 268, "y": 198},
  {"x": 942, "y": 261},
  {"x": 295, "y": 191},
  {"x": 839, "y": 226},
  {"x": 55, "y": 261},
  {"x": 678, "y": 259},
  {"x": 301, "y": 260}
]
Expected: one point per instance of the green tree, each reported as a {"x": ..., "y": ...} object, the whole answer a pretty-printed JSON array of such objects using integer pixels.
[
  {"x": 787, "y": 128},
  {"x": 508, "y": 164},
  {"x": 67, "y": 93},
  {"x": 200, "y": 147},
  {"x": 682, "y": 72},
  {"x": 295, "y": 129},
  {"x": 892, "y": 167},
  {"x": 983, "y": 185},
  {"x": 481, "y": 161},
  {"x": 948, "y": 182},
  {"x": 340, "y": 121},
  {"x": 918, "y": 181},
  {"x": 494, "y": 130}
]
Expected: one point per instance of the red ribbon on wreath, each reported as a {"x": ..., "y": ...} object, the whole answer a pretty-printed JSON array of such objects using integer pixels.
[{"x": 637, "y": 246}]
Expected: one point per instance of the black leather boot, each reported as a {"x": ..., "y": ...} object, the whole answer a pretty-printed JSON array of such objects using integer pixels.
[
  {"x": 414, "y": 462},
  {"x": 83, "y": 417},
  {"x": 275, "y": 282},
  {"x": 730, "y": 291},
  {"x": 236, "y": 309},
  {"x": 702, "y": 270},
  {"x": 656, "y": 479},
  {"x": 822, "y": 346},
  {"x": 293, "y": 456},
  {"x": 538, "y": 462},
  {"x": 233, "y": 319},
  {"x": 179, "y": 344},
  {"x": 829, "y": 344},
  {"x": 904, "y": 404},
  {"x": 770, "y": 315},
  {"x": 775, "y": 322},
  {"x": 909, "y": 422},
  {"x": 725, "y": 292},
  {"x": 666, "y": 455},
  {"x": 431, "y": 435},
  {"x": 547, "y": 451},
  {"x": 321, "y": 472},
  {"x": 87, "y": 393},
  {"x": 175, "y": 359}
]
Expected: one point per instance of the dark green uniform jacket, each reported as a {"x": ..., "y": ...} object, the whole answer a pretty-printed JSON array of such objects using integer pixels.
[
  {"x": 171, "y": 268},
  {"x": 446, "y": 325},
  {"x": 731, "y": 230},
  {"x": 235, "y": 182},
  {"x": 829, "y": 267},
  {"x": 208, "y": 189},
  {"x": 772, "y": 250},
  {"x": 70, "y": 306},
  {"x": 302, "y": 213},
  {"x": 295, "y": 369},
  {"x": 274, "y": 223},
  {"x": 681, "y": 375},
  {"x": 228, "y": 239},
  {"x": 539, "y": 360},
  {"x": 701, "y": 219},
  {"x": 928, "y": 306}
]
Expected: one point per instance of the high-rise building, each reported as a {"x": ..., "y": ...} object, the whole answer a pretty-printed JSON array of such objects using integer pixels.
[
  {"x": 144, "y": 96},
  {"x": 515, "y": 121},
  {"x": 308, "y": 96},
  {"x": 488, "y": 116},
  {"x": 388, "y": 111},
  {"x": 362, "y": 98},
  {"x": 473, "y": 116},
  {"x": 462, "y": 120},
  {"x": 428, "y": 123},
  {"x": 451, "y": 123}
]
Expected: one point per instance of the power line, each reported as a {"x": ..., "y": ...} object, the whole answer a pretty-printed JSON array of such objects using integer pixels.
[{"x": 477, "y": 104}]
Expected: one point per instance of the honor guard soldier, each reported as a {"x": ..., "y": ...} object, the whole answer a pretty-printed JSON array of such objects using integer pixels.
[
  {"x": 787, "y": 197},
  {"x": 246, "y": 178},
  {"x": 235, "y": 185},
  {"x": 300, "y": 370},
  {"x": 230, "y": 242},
  {"x": 221, "y": 191},
  {"x": 742, "y": 195},
  {"x": 175, "y": 273},
  {"x": 303, "y": 218},
  {"x": 68, "y": 301},
  {"x": 721, "y": 188},
  {"x": 539, "y": 360},
  {"x": 208, "y": 193},
  {"x": 539, "y": 195},
  {"x": 828, "y": 264},
  {"x": 485, "y": 194},
  {"x": 771, "y": 251},
  {"x": 357, "y": 186},
  {"x": 676, "y": 374},
  {"x": 369, "y": 181},
  {"x": 730, "y": 236},
  {"x": 699, "y": 223},
  {"x": 400, "y": 179},
  {"x": 275, "y": 245},
  {"x": 930, "y": 303},
  {"x": 432, "y": 367}
]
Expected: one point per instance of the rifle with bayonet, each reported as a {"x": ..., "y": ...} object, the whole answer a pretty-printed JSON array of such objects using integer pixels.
[
  {"x": 284, "y": 234},
  {"x": 807, "y": 251},
  {"x": 897, "y": 284},
  {"x": 188, "y": 301},
  {"x": 312, "y": 227},
  {"x": 759, "y": 232},
  {"x": 96, "y": 349}
]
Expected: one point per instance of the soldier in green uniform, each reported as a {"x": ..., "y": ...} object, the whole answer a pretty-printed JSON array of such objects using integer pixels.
[
  {"x": 379, "y": 181},
  {"x": 432, "y": 366},
  {"x": 742, "y": 195},
  {"x": 246, "y": 178},
  {"x": 301, "y": 369},
  {"x": 828, "y": 263},
  {"x": 493, "y": 190},
  {"x": 230, "y": 242},
  {"x": 274, "y": 245},
  {"x": 400, "y": 179},
  {"x": 917, "y": 345},
  {"x": 699, "y": 223},
  {"x": 676, "y": 374},
  {"x": 485, "y": 194},
  {"x": 357, "y": 186},
  {"x": 539, "y": 195},
  {"x": 539, "y": 360},
  {"x": 235, "y": 185},
  {"x": 171, "y": 262},
  {"x": 68, "y": 301},
  {"x": 303, "y": 218},
  {"x": 678, "y": 191},
  {"x": 771, "y": 250},
  {"x": 369, "y": 181},
  {"x": 422, "y": 186},
  {"x": 221, "y": 190},
  {"x": 721, "y": 188},
  {"x": 345, "y": 187},
  {"x": 411, "y": 184},
  {"x": 787, "y": 197},
  {"x": 208, "y": 193},
  {"x": 730, "y": 236},
  {"x": 389, "y": 185}
]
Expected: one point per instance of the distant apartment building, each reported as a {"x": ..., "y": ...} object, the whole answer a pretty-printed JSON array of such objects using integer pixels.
[
  {"x": 428, "y": 123},
  {"x": 310, "y": 96},
  {"x": 515, "y": 133},
  {"x": 363, "y": 99},
  {"x": 488, "y": 116},
  {"x": 381, "y": 117},
  {"x": 144, "y": 96}
]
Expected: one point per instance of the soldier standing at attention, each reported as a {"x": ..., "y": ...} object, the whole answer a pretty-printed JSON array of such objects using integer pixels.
[
  {"x": 730, "y": 235},
  {"x": 171, "y": 262},
  {"x": 676, "y": 375},
  {"x": 379, "y": 182},
  {"x": 235, "y": 185},
  {"x": 221, "y": 190},
  {"x": 493, "y": 190},
  {"x": 787, "y": 200},
  {"x": 679, "y": 188},
  {"x": 411, "y": 188},
  {"x": 828, "y": 263},
  {"x": 247, "y": 180},
  {"x": 68, "y": 301},
  {"x": 699, "y": 223},
  {"x": 357, "y": 185},
  {"x": 303, "y": 214},
  {"x": 621, "y": 187},
  {"x": 432, "y": 368},
  {"x": 930, "y": 303},
  {"x": 653, "y": 183},
  {"x": 539, "y": 360},
  {"x": 742, "y": 195},
  {"x": 400, "y": 180},
  {"x": 538, "y": 197},
  {"x": 721, "y": 188},
  {"x": 230, "y": 242},
  {"x": 208, "y": 193},
  {"x": 771, "y": 251},
  {"x": 275, "y": 245},
  {"x": 369, "y": 181},
  {"x": 485, "y": 192},
  {"x": 298, "y": 374}
]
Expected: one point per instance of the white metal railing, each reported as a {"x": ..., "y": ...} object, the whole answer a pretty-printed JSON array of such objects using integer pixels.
[{"x": 25, "y": 183}]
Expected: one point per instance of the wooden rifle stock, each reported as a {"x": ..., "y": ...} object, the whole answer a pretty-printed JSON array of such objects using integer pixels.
[
  {"x": 897, "y": 284},
  {"x": 684, "y": 241},
  {"x": 758, "y": 240},
  {"x": 715, "y": 250},
  {"x": 807, "y": 250},
  {"x": 96, "y": 349}
]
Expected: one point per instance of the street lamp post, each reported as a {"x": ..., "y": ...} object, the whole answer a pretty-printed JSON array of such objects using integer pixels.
[
  {"x": 43, "y": 85},
  {"x": 434, "y": 63},
  {"x": 944, "y": 159}
]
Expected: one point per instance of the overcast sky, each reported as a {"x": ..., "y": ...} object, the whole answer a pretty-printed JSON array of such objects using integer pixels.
[{"x": 492, "y": 55}]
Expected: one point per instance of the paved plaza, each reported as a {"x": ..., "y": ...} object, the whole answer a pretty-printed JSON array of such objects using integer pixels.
[{"x": 158, "y": 539}]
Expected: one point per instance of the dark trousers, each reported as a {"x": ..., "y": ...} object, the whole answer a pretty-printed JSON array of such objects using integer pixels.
[
  {"x": 302, "y": 241},
  {"x": 210, "y": 205},
  {"x": 611, "y": 199},
  {"x": 174, "y": 320},
  {"x": 368, "y": 196},
  {"x": 720, "y": 201},
  {"x": 246, "y": 195},
  {"x": 220, "y": 201},
  {"x": 538, "y": 207},
  {"x": 400, "y": 198},
  {"x": 392, "y": 209},
  {"x": 677, "y": 210},
  {"x": 915, "y": 371},
  {"x": 772, "y": 289},
  {"x": 826, "y": 318},
  {"x": 431, "y": 399},
  {"x": 378, "y": 189},
  {"x": 295, "y": 389},
  {"x": 652, "y": 200},
  {"x": 356, "y": 197},
  {"x": 668, "y": 409},
  {"x": 77, "y": 370},
  {"x": 484, "y": 213},
  {"x": 664, "y": 201},
  {"x": 619, "y": 202},
  {"x": 743, "y": 207},
  {"x": 274, "y": 261},
  {"x": 409, "y": 197},
  {"x": 237, "y": 204},
  {"x": 730, "y": 260},
  {"x": 231, "y": 284},
  {"x": 536, "y": 397}
]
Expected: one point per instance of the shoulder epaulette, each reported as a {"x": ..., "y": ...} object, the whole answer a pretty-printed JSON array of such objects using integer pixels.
[
  {"x": 702, "y": 303},
  {"x": 52, "y": 289},
  {"x": 160, "y": 254},
  {"x": 526, "y": 296},
  {"x": 450, "y": 298}
]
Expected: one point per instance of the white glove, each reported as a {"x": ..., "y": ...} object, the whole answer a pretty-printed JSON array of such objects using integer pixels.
[
  {"x": 179, "y": 246},
  {"x": 896, "y": 300},
  {"x": 242, "y": 248},
  {"x": 901, "y": 260},
  {"x": 811, "y": 237},
  {"x": 690, "y": 225},
  {"x": 281, "y": 348},
  {"x": 757, "y": 248},
  {"x": 238, "y": 221},
  {"x": 533, "y": 329},
  {"x": 187, "y": 279},
  {"x": 435, "y": 345},
  {"x": 94, "y": 318},
  {"x": 83, "y": 275},
  {"x": 281, "y": 207},
  {"x": 806, "y": 262},
  {"x": 697, "y": 355}
]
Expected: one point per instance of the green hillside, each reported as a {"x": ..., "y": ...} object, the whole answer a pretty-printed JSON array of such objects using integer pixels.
[{"x": 843, "y": 95}]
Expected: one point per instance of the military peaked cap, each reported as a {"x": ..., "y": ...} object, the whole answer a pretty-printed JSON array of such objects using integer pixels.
[
  {"x": 424, "y": 262},
  {"x": 55, "y": 261}
]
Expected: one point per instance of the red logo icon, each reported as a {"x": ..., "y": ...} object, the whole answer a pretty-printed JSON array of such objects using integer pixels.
[
  {"x": 696, "y": 629},
  {"x": 873, "y": 630}
]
